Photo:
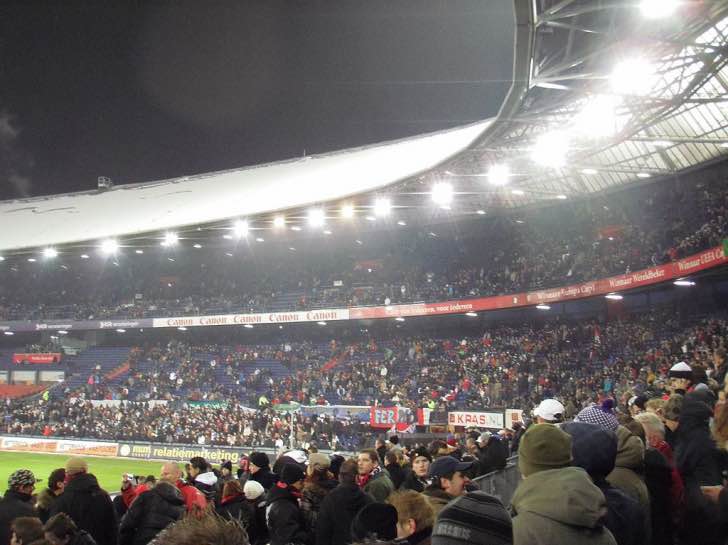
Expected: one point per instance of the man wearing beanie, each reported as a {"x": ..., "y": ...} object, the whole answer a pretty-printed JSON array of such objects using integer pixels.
[
  {"x": 283, "y": 516},
  {"x": 594, "y": 449},
  {"x": 87, "y": 504},
  {"x": 260, "y": 470},
  {"x": 17, "y": 502},
  {"x": 475, "y": 517},
  {"x": 555, "y": 503}
]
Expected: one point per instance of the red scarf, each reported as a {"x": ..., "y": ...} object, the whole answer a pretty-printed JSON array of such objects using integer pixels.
[
  {"x": 295, "y": 493},
  {"x": 362, "y": 480},
  {"x": 228, "y": 499}
]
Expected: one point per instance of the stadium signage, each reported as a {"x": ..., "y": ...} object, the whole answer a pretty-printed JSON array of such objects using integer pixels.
[
  {"x": 157, "y": 451},
  {"x": 58, "y": 446},
  {"x": 37, "y": 357},
  {"x": 476, "y": 419},
  {"x": 243, "y": 319}
]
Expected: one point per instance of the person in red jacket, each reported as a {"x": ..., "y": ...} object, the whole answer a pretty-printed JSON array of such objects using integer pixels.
[{"x": 195, "y": 501}]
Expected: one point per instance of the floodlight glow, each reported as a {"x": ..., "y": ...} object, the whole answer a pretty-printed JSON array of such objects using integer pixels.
[
  {"x": 31, "y": 260},
  {"x": 347, "y": 211},
  {"x": 279, "y": 221},
  {"x": 260, "y": 239},
  {"x": 295, "y": 228},
  {"x": 643, "y": 175},
  {"x": 370, "y": 218},
  {"x": 442, "y": 193},
  {"x": 8, "y": 333},
  {"x": 402, "y": 223},
  {"x": 656, "y": 9},
  {"x": 227, "y": 236},
  {"x": 382, "y": 206},
  {"x": 121, "y": 330},
  {"x": 197, "y": 246},
  {"x": 321, "y": 323},
  {"x": 589, "y": 171},
  {"x": 599, "y": 117},
  {"x": 316, "y": 217},
  {"x": 472, "y": 314},
  {"x": 480, "y": 212},
  {"x": 182, "y": 328},
  {"x": 683, "y": 282},
  {"x": 614, "y": 296},
  {"x": 543, "y": 307},
  {"x": 62, "y": 332},
  {"x": 248, "y": 326},
  {"x": 518, "y": 192},
  {"x": 170, "y": 239},
  {"x": 50, "y": 253},
  {"x": 632, "y": 77},
  {"x": 2, "y": 258},
  {"x": 399, "y": 319},
  {"x": 109, "y": 246},
  {"x": 662, "y": 143},
  {"x": 561, "y": 197},
  {"x": 499, "y": 174},
  {"x": 84, "y": 256},
  {"x": 550, "y": 149},
  {"x": 327, "y": 232},
  {"x": 240, "y": 228}
]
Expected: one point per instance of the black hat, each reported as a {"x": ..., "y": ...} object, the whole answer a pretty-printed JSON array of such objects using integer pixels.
[
  {"x": 422, "y": 452},
  {"x": 376, "y": 520},
  {"x": 475, "y": 517},
  {"x": 227, "y": 465},
  {"x": 446, "y": 465},
  {"x": 292, "y": 473},
  {"x": 260, "y": 459}
]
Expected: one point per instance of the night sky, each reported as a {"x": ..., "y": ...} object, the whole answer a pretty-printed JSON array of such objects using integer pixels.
[{"x": 140, "y": 91}]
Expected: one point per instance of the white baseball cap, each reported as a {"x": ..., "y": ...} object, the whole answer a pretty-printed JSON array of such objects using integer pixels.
[{"x": 549, "y": 409}]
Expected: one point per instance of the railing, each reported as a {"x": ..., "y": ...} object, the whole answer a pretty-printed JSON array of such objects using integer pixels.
[{"x": 501, "y": 483}]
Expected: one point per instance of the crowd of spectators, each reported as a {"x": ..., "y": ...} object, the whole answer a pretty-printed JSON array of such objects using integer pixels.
[{"x": 553, "y": 246}]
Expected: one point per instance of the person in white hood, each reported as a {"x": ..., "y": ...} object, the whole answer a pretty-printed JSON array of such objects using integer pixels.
[{"x": 204, "y": 479}]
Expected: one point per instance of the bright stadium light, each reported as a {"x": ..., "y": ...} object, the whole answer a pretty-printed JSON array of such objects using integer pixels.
[
  {"x": 632, "y": 77},
  {"x": 543, "y": 307},
  {"x": 347, "y": 211},
  {"x": 499, "y": 174},
  {"x": 121, "y": 330},
  {"x": 442, "y": 193},
  {"x": 9, "y": 333},
  {"x": 382, "y": 206},
  {"x": 480, "y": 212},
  {"x": 561, "y": 197},
  {"x": 197, "y": 246},
  {"x": 240, "y": 228},
  {"x": 31, "y": 260},
  {"x": 279, "y": 221},
  {"x": 109, "y": 246},
  {"x": 657, "y": 9},
  {"x": 684, "y": 282},
  {"x": 518, "y": 192},
  {"x": 84, "y": 256},
  {"x": 2, "y": 258},
  {"x": 50, "y": 253},
  {"x": 316, "y": 217},
  {"x": 170, "y": 239},
  {"x": 550, "y": 149},
  {"x": 139, "y": 252},
  {"x": 471, "y": 314},
  {"x": 614, "y": 296},
  {"x": 399, "y": 319},
  {"x": 643, "y": 175},
  {"x": 598, "y": 118},
  {"x": 248, "y": 326},
  {"x": 589, "y": 171}
]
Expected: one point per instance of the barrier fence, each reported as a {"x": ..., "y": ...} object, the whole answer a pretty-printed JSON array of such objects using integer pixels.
[{"x": 501, "y": 483}]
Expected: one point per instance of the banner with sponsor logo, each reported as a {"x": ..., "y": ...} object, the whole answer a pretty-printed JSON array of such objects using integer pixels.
[
  {"x": 180, "y": 453},
  {"x": 37, "y": 357},
  {"x": 58, "y": 446},
  {"x": 391, "y": 418},
  {"x": 252, "y": 319},
  {"x": 475, "y": 419}
]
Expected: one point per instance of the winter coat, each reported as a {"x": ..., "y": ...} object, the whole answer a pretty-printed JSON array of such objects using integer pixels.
[
  {"x": 82, "y": 538},
  {"x": 625, "y": 517},
  {"x": 194, "y": 499},
  {"x": 438, "y": 498},
  {"x": 312, "y": 496},
  {"x": 628, "y": 471},
  {"x": 396, "y": 474},
  {"x": 150, "y": 513},
  {"x": 208, "y": 484},
  {"x": 658, "y": 478},
  {"x": 338, "y": 509},
  {"x": 698, "y": 460},
  {"x": 90, "y": 508},
  {"x": 258, "y": 529},
  {"x": 265, "y": 477},
  {"x": 284, "y": 518},
  {"x": 236, "y": 508},
  {"x": 13, "y": 505},
  {"x": 560, "y": 506},
  {"x": 493, "y": 456},
  {"x": 379, "y": 486},
  {"x": 413, "y": 482},
  {"x": 43, "y": 504},
  {"x": 421, "y": 537}
]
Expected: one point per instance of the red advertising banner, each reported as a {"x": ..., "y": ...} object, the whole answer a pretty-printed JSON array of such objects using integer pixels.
[
  {"x": 654, "y": 275},
  {"x": 38, "y": 357},
  {"x": 383, "y": 417}
]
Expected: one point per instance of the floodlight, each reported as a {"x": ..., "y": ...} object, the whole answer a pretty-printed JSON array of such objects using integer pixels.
[
  {"x": 632, "y": 77},
  {"x": 109, "y": 246},
  {"x": 316, "y": 217},
  {"x": 240, "y": 228},
  {"x": 614, "y": 296},
  {"x": 382, "y": 206},
  {"x": 499, "y": 174},
  {"x": 442, "y": 193},
  {"x": 656, "y": 9},
  {"x": 598, "y": 118},
  {"x": 543, "y": 307},
  {"x": 347, "y": 211},
  {"x": 279, "y": 221},
  {"x": 50, "y": 253},
  {"x": 170, "y": 239},
  {"x": 550, "y": 149}
]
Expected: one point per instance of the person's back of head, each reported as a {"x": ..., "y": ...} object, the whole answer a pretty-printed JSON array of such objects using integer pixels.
[
  {"x": 60, "y": 528},
  {"x": 348, "y": 471},
  {"x": 207, "y": 530},
  {"x": 475, "y": 517},
  {"x": 593, "y": 449},
  {"x": 56, "y": 480},
  {"x": 27, "y": 530},
  {"x": 391, "y": 458},
  {"x": 414, "y": 512},
  {"x": 200, "y": 464}
]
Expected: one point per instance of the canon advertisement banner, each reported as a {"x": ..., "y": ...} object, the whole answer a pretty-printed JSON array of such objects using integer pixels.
[
  {"x": 468, "y": 419},
  {"x": 37, "y": 357},
  {"x": 254, "y": 319}
]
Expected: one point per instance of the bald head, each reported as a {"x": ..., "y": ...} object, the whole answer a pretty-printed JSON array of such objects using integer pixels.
[{"x": 170, "y": 472}]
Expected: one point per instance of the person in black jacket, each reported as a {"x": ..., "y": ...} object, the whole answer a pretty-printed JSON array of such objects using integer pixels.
[
  {"x": 340, "y": 506},
  {"x": 234, "y": 506},
  {"x": 319, "y": 482},
  {"x": 203, "y": 478},
  {"x": 493, "y": 453},
  {"x": 392, "y": 464},
  {"x": 255, "y": 496},
  {"x": 594, "y": 449},
  {"x": 87, "y": 504},
  {"x": 260, "y": 470},
  {"x": 61, "y": 530},
  {"x": 285, "y": 520},
  {"x": 150, "y": 513},
  {"x": 416, "y": 478},
  {"x": 17, "y": 502},
  {"x": 48, "y": 495}
]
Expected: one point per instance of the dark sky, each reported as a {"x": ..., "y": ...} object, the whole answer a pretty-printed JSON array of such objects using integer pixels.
[{"x": 140, "y": 91}]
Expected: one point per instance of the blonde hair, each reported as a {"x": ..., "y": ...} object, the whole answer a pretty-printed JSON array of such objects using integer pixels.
[
  {"x": 656, "y": 404},
  {"x": 651, "y": 423},
  {"x": 413, "y": 505}
]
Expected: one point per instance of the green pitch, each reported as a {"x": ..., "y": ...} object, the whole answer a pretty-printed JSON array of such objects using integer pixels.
[{"x": 107, "y": 470}]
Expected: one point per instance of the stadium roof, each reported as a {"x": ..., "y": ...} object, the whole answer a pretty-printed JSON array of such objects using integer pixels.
[{"x": 604, "y": 95}]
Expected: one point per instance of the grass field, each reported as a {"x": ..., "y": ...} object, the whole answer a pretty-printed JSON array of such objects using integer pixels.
[{"x": 107, "y": 470}]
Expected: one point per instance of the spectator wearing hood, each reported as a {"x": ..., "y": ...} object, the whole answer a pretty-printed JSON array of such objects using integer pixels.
[
  {"x": 17, "y": 502},
  {"x": 629, "y": 468},
  {"x": 416, "y": 478},
  {"x": 698, "y": 460},
  {"x": 556, "y": 503},
  {"x": 204, "y": 479},
  {"x": 340, "y": 506},
  {"x": 151, "y": 513},
  {"x": 260, "y": 470},
  {"x": 415, "y": 517},
  {"x": 595, "y": 450},
  {"x": 87, "y": 504},
  {"x": 60, "y": 528},
  {"x": 319, "y": 482},
  {"x": 284, "y": 517},
  {"x": 373, "y": 478}
]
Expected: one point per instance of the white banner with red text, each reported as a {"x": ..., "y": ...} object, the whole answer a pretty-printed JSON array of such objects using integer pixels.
[
  {"x": 474, "y": 419},
  {"x": 324, "y": 315}
]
